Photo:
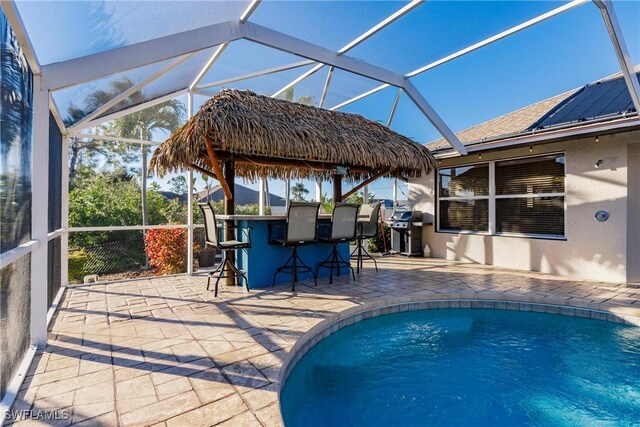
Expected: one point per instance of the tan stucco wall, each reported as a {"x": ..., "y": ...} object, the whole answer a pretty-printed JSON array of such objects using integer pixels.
[
  {"x": 633, "y": 211},
  {"x": 592, "y": 250}
]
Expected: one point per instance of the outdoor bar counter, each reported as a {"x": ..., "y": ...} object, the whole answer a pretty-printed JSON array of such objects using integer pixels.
[{"x": 263, "y": 259}]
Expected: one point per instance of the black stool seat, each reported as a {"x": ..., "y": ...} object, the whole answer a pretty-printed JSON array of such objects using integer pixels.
[
  {"x": 342, "y": 230},
  {"x": 367, "y": 229},
  {"x": 234, "y": 244},
  {"x": 300, "y": 230},
  {"x": 226, "y": 268}
]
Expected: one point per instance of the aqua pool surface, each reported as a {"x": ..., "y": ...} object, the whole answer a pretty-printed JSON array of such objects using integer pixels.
[{"x": 469, "y": 367}]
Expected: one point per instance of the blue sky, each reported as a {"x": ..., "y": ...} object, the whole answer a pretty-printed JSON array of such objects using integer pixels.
[{"x": 560, "y": 54}]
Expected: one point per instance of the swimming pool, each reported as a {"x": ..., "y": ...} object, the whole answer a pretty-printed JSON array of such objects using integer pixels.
[{"x": 468, "y": 367}]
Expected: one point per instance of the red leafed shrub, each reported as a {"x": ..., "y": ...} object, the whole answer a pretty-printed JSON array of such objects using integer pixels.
[{"x": 167, "y": 249}]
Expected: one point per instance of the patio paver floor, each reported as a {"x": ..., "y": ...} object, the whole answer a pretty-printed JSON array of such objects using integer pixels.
[{"x": 164, "y": 351}]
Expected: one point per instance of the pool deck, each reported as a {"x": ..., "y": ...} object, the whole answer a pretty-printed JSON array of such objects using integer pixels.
[{"x": 164, "y": 351}]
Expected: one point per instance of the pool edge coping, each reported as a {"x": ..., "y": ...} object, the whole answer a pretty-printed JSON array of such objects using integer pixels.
[{"x": 488, "y": 301}]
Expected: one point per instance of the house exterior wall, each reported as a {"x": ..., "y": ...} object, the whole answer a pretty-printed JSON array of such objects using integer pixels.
[
  {"x": 633, "y": 209},
  {"x": 607, "y": 251}
]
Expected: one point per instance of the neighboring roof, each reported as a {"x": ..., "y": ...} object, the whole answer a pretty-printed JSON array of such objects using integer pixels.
[
  {"x": 170, "y": 195},
  {"x": 275, "y": 138},
  {"x": 242, "y": 196},
  {"x": 604, "y": 99}
]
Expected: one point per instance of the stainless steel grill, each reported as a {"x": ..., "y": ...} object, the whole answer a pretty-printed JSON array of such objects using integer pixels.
[{"x": 406, "y": 232}]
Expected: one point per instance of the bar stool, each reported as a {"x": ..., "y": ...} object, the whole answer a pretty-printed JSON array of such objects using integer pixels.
[
  {"x": 367, "y": 229},
  {"x": 342, "y": 230},
  {"x": 300, "y": 230},
  {"x": 226, "y": 268}
]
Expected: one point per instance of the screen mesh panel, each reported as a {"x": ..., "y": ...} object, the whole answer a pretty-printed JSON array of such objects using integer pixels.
[
  {"x": 15, "y": 141},
  {"x": 53, "y": 268},
  {"x": 15, "y": 201},
  {"x": 55, "y": 175},
  {"x": 111, "y": 255},
  {"x": 15, "y": 315}
]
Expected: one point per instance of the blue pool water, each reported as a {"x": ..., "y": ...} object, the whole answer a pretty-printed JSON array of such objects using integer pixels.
[{"x": 469, "y": 367}]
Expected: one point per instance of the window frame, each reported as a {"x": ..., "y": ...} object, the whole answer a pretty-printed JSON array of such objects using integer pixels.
[
  {"x": 463, "y": 198},
  {"x": 492, "y": 197}
]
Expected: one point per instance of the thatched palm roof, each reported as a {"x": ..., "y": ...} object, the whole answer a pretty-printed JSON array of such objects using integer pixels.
[{"x": 280, "y": 139}]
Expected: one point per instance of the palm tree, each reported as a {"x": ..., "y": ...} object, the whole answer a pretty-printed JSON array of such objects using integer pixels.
[
  {"x": 165, "y": 117},
  {"x": 298, "y": 192},
  {"x": 142, "y": 124},
  {"x": 304, "y": 99}
]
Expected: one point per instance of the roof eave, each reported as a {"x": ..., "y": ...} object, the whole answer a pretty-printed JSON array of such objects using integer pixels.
[{"x": 546, "y": 136}]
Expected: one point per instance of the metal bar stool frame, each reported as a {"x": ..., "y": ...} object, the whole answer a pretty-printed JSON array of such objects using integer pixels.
[
  {"x": 294, "y": 238},
  {"x": 226, "y": 268},
  {"x": 341, "y": 230},
  {"x": 367, "y": 229}
]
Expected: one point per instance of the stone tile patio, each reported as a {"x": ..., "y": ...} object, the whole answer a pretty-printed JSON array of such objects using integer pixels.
[{"x": 164, "y": 351}]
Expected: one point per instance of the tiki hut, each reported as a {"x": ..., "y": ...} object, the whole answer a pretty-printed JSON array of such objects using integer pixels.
[{"x": 267, "y": 137}]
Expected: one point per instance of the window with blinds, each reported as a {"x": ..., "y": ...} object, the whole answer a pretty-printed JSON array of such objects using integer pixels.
[
  {"x": 526, "y": 197},
  {"x": 530, "y": 195},
  {"x": 464, "y": 198}
]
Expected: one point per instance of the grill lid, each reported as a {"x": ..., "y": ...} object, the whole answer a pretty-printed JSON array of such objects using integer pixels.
[{"x": 406, "y": 216}]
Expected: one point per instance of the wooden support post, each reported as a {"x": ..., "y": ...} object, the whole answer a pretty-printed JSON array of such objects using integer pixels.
[
  {"x": 365, "y": 183},
  {"x": 215, "y": 165},
  {"x": 337, "y": 188},
  {"x": 203, "y": 171},
  {"x": 229, "y": 209}
]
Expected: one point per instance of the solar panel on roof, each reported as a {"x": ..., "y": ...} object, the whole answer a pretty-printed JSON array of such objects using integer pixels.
[{"x": 595, "y": 100}]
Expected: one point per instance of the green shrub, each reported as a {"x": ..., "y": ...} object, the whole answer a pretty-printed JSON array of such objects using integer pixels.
[
  {"x": 376, "y": 244},
  {"x": 77, "y": 261}
]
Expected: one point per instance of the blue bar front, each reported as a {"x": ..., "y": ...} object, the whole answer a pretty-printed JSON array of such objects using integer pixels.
[{"x": 263, "y": 259}]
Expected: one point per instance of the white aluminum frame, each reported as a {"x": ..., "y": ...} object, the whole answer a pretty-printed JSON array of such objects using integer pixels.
[
  {"x": 39, "y": 212},
  {"x": 274, "y": 39},
  {"x": 620, "y": 48},
  {"x": 190, "y": 228},
  {"x": 496, "y": 37},
  {"x": 133, "y": 109},
  {"x": 9, "y": 257},
  {"x": 216, "y": 55},
  {"x": 177, "y": 44},
  {"x": 56, "y": 76},
  {"x": 126, "y": 228},
  {"x": 112, "y": 138},
  {"x": 133, "y": 89},
  {"x": 261, "y": 196},
  {"x": 17, "y": 25},
  {"x": 298, "y": 79},
  {"x": 55, "y": 112},
  {"x": 92, "y": 67},
  {"x": 355, "y": 42},
  {"x": 325, "y": 89},
  {"x": 248, "y": 76},
  {"x": 64, "y": 195},
  {"x": 394, "y": 107}
]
